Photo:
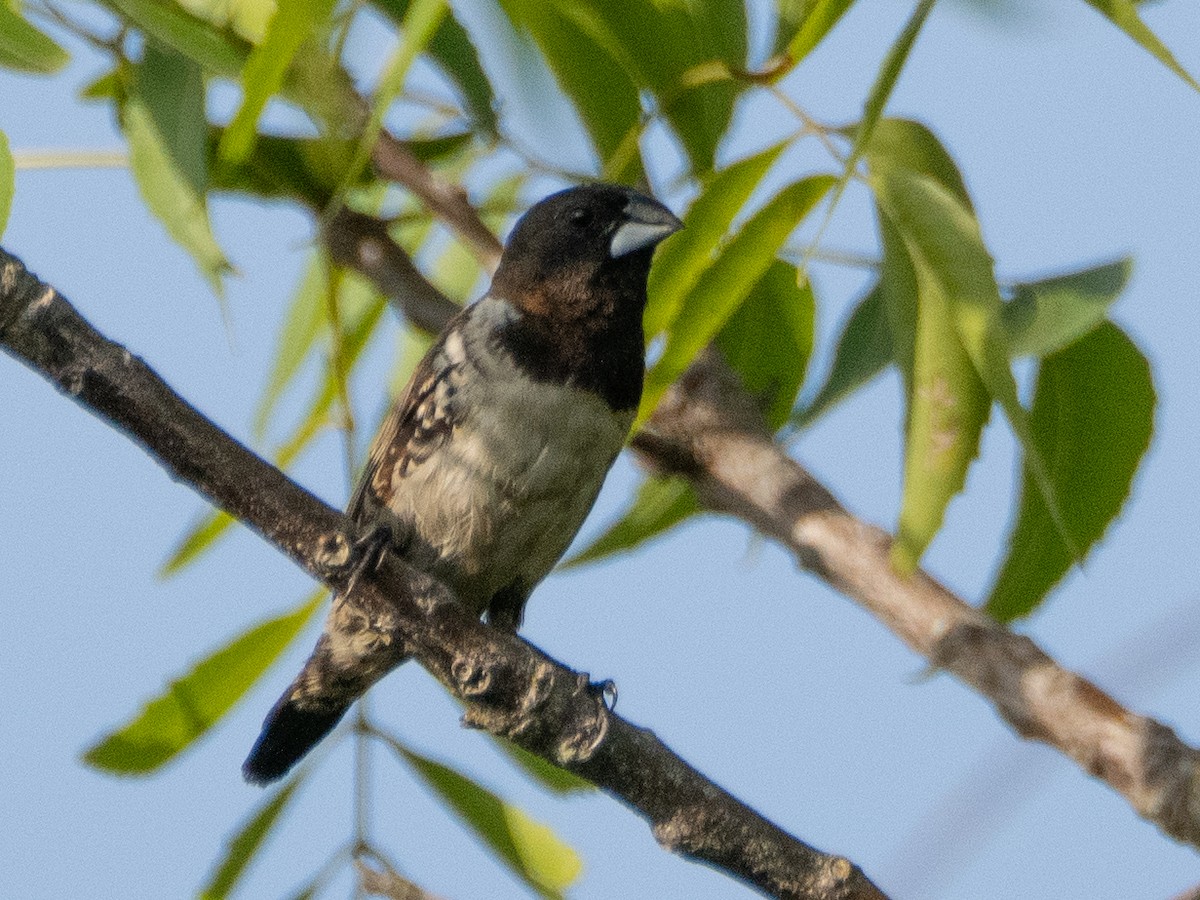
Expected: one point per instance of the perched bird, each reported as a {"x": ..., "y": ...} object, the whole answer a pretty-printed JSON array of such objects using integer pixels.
[{"x": 487, "y": 465}]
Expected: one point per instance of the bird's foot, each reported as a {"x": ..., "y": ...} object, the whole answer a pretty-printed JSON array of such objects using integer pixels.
[
  {"x": 367, "y": 552},
  {"x": 606, "y": 690}
]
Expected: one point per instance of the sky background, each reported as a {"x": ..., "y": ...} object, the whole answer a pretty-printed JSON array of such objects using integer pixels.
[{"x": 1077, "y": 148}]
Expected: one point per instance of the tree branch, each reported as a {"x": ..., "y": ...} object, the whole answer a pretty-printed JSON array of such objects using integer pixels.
[
  {"x": 509, "y": 688},
  {"x": 709, "y": 430}
]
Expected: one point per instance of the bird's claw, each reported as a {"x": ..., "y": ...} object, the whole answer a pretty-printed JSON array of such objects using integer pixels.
[
  {"x": 367, "y": 552},
  {"x": 606, "y": 690}
]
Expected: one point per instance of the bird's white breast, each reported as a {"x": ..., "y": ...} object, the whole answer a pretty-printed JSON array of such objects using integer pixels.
[{"x": 504, "y": 496}]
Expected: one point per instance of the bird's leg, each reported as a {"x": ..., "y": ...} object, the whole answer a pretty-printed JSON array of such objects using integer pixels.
[
  {"x": 367, "y": 552},
  {"x": 506, "y": 609}
]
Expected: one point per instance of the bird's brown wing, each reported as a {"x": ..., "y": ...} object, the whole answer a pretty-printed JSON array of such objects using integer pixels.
[{"x": 419, "y": 423}]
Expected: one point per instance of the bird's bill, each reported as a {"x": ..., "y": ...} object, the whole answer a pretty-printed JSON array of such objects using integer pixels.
[{"x": 646, "y": 223}]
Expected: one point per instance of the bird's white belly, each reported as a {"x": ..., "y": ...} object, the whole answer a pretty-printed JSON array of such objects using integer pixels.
[{"x": 501, "y": 500}]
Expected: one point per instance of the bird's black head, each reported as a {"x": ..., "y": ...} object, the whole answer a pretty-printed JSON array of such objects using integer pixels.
[{"x": 582, "y": 251}]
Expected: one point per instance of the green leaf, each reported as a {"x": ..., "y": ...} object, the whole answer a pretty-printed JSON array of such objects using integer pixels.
[
  {"x": 725, "y": 284},
  {"x": 25, "y": 48},
  {"x": 1045, "y": 316},
  {"x": 8, "y": 179},
  {"x": 453, "y": 51},
  {"x": 1124, "y": 14},
  {"x": 948, "y": 406},
  {"x": 548, "y": 775},
  {"x": 905, "y": 144},
  {"x": 195, "y": 541},
  {"x": 881, "y": 91},
  {"x": 262, "y": 77},
  {"x": 951, "y": 259},
  {"x": 163, "y": 120},
  {"x": 685, "y": 255},
  {"x": 168, "y": 24},
  {"x": 531, "y": 850},
  {"x": 864, "y": 349},
  {"x": 769, "y": 340},
  {"x": 241, "y": 847},
  {"x": 192, "y": 704},
  {"x": 297, "y": 336},
  {"x": 597, "y": 84},
  {"x": 1092, "y": 418},
  {"x": 302, "y": 169},
  {"x": 246, "y": 18},
  {"x": 804, "y": 23},
  {"x": 660, "y": 504}
]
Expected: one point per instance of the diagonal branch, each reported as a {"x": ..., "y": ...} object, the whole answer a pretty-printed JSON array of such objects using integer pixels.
[
  {"x": 709, "y": 430},
  {"x": 509, "y": 688}
]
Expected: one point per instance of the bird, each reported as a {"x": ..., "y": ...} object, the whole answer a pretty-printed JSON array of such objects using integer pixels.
[{"x": 486, "y": 466}]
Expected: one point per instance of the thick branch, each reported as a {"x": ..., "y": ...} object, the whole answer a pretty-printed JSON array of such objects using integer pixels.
[
  {"x": 510, "y": 688},
  {"x": 709, "y": 430}
]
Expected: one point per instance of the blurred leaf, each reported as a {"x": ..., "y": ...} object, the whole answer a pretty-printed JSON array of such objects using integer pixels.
[
  {"x": 952, "y": 262},
  {"x": 1045, "y": 316},
  {"x": 685, "y": 255},
  {"x": 948, "y": 406},
  {"x": 216, "y": 52},
  {"x": 682, "y": 52},
  {"x": 246, "y": 18},
  {"x": 289, "y": 27},
  {"x": 548, "y": 775},
  {"x": 1124, "y": 14},
  {"x": 25, "y": 48},
  {"x": 163, "y": 119},
  {"x": 420, "y": 22},
  {"x": 301, "y": 325},
  {"x": 881, "y": 90},
  {"x": 196, "y": 540},
  {"x": 192, "y": 704},
  {"x": 660, "y": 504},
  {"x": 905, "y": 144},
  {"x": 1092, "y": 418},
  {"x": 242, "y": 846},
  {"x": 864, "y": 349},
  {"x": 725, "y": 284},
  {"x": 8, "y": 179},
  {"x": 107, "y": 87},
  {"x": 804, "y": 23},
  {"x": 452, "y": 49},
  {"x": 769, "y": 340},
  {"x": 302, "y": 169},
  {"x": 601, "y": 90},
  {"x": 530, "y": 850}
]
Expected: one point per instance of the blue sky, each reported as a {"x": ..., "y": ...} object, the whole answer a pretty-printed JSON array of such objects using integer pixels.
[{"x": 1077, "y": 148}]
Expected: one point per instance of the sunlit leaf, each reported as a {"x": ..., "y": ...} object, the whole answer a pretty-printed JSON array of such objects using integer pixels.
[
  {"x": 948, "y": 406},
  {"x": 1092, "y": 417},
  {"x": 25, "y": 48},
  {"x": 864, "y": 349},
  {"x": 289, "y": 27},
  {"x": 951, "y": 259},
  {"x": 298, "y": 334},
  {"x": 246, "y": 18},
  {"x": 769, "y": 339},
  {"x": 1047, "y": 315},
  {"x": 600, "y": 88},
  {"x": 529, "y": 849},
  {"x": 549, "y": 776},
  {"x": 685, "y": 255},
  {"x": 242, "y": 846},
  {"x": 1124, "y": 14},
  {"x": 724, "y": 285},
  {"x": 905, "y": 144},
  {"x": 804, "y": 23},
  {"x": 193, "y": 703},
  {"x": 169, "y": 24},
  {"x": 659, "y": 505},
  {"x": 452, "y": 49},
  {"x": 163, "y": 119},
  {"x": 8, "y": 177},
  {"x": 196, "y": 540}
]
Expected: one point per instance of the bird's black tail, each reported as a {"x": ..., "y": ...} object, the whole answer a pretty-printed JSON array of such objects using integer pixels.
[
  {"x": 356, "y": 650},
  {"x": 290, "y": 730}
]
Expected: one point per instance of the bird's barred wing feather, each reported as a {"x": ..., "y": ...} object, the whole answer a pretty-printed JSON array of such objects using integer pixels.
[{"x": 419, "y": 423}]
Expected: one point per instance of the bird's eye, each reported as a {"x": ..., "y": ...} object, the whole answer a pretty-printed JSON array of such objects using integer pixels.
[{"x": 580, "y": 217}]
